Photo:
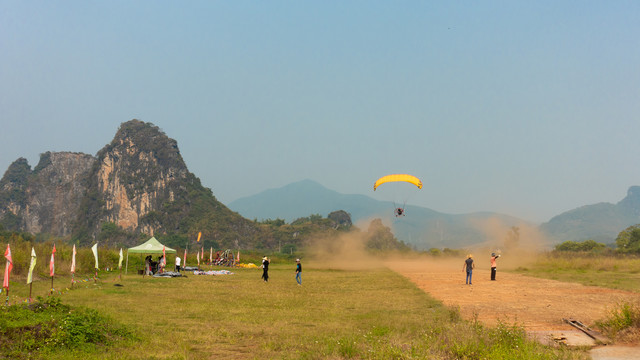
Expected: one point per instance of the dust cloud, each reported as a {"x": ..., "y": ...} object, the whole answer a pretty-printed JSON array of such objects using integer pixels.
[
  {"x": 517, "y": 245},
  {"x": 347, "y": 251}
]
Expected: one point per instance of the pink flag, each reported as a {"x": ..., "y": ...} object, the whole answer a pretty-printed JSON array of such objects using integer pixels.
[
  {"x": 52, "y": 268},
  {"x": 184, "y": 261},
  {"x": 73, "y": 260},
  {"x": 198, "y": 257},
  {"x": 8, "y": 267},
  {"x": 202, "y": 253},
  {"x": 238, "y": 258}
]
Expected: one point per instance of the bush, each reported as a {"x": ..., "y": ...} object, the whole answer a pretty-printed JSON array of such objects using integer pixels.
[
  {"x": 48, "y": 325},
  {"x": 587, "y": 245}
]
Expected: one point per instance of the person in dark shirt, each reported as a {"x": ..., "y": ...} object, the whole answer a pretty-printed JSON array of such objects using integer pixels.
[
  {"x": 468, "y": 266},
  {"x": 265, "y": 269},
  {"x": 298, "y": 272}
]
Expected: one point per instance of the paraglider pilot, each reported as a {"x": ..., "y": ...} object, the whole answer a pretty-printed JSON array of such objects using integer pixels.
[{"x": 399, "y": 212}]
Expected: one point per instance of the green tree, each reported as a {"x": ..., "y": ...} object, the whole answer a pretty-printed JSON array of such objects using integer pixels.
[
  {"x": 380, "y": 237},
  {"x": 628, "y": 241},
  {"x": 341, "y": 219}
]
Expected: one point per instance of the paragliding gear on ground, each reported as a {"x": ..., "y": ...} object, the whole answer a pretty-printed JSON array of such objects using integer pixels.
[{"x": 225, "y": 259}]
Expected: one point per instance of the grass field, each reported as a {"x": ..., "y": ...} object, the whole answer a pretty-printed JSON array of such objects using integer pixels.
[
  {"x": 336, "y": 314},
  {"x": 611, "y": 271}
]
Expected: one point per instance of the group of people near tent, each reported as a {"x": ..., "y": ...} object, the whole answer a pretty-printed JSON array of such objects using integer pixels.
[{"x": 153, "y": 267}]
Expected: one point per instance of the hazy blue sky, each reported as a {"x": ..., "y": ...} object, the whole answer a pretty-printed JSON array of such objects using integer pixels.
[{"x": 528, "y": 108}]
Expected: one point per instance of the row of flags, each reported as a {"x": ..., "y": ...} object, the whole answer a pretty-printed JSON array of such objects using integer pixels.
[
  {"x": 32, "y": 265},
  {"x": 94, "y": 250}
]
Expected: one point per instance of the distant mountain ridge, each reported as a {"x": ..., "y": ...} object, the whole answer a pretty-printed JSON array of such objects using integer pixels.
[
  {"x": 601, "y": 222},
  {"x": 422, "y": 227}
]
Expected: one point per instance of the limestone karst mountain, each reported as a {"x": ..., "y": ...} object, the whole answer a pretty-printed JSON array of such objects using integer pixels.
[{"x": 137, "y": 184}]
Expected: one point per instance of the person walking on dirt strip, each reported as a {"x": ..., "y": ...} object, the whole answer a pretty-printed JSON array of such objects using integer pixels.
[
  {"x": 265, "y": 269},
  {"x": 493, "y": 266},
  {"x": 468, "y": 266},
  {"x": 298, "y": 272}
]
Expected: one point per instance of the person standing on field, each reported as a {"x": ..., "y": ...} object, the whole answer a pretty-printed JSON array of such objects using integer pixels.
[
  {"x": 493, "y": 266},
  {"x": 177, "y": 264},
  {"x": 468, "y": 266},
  {"x": 298, "y": 272},
  {"x": 265, "y": 269}
]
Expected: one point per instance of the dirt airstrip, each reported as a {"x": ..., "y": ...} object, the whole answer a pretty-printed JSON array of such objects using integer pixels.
[{"x": 536, "y": 304}]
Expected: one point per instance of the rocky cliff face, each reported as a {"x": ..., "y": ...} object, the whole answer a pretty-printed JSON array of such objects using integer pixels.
[
  {"x": 137, "y": 184},
  {"x": 136, "y": 174},
  {"x": 47, "y": 198}
]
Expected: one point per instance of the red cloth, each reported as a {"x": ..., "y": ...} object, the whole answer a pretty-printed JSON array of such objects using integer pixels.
[{"x": 8, "y": 267}]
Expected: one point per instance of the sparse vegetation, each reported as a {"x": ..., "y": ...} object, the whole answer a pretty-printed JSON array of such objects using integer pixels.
[{"x": 623, "y": 322}]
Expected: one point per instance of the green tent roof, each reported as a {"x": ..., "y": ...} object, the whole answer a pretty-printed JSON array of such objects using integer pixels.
[{"x": 152, "y": 246}]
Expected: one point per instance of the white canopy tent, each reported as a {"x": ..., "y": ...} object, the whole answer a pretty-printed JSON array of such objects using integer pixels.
[{"x": 151, "y": 246}]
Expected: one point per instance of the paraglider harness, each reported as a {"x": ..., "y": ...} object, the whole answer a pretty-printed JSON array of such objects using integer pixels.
[{"x": 399, "y": 210}]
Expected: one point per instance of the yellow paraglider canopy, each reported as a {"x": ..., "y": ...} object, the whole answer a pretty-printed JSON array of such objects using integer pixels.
[{"x": 398, "y": 177}]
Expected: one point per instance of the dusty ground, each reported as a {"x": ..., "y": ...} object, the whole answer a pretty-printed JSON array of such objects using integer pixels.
[{"x": 536, "y": 304}]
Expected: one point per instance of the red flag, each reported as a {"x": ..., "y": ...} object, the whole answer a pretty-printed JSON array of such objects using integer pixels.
[
  {"x": 52, "y": 268},
  {"x": 8, "y": 267},
  {"x": 73, "y": 260},
  {"x": 184, "y": 261}
]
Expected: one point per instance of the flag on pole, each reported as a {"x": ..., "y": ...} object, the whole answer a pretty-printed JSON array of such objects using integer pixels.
[
  {"x": 198, "y": 258},
  {"x": 32, "y": 266},
  {"x": 94, "y": 250},
  {"x": 238, "y": 258},
  {"x": 73, "y": 260},
  {"x": 164, "y": 257},
  {"x": 184, "y": 261},
  {"x": 8, "y": 267},
  {"x": 120, "y": 261},
  {"x": 199, "y": 235},
  {"x": 52, "y": 262},
  {"x": 202, "y": 253},
  {"x": 211, "y": 255}
]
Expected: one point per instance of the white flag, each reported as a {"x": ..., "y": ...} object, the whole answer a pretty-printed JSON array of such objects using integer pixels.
[
  {"x": 73, "y": 260},
  {"x": 32, "y": 265},
  {"x": 94, "y": 249}
]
